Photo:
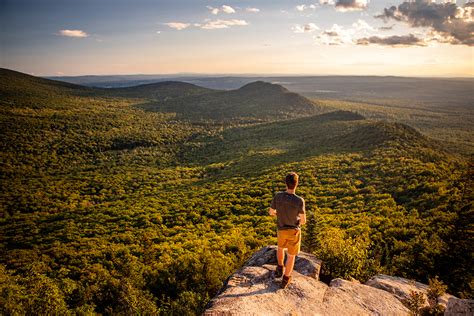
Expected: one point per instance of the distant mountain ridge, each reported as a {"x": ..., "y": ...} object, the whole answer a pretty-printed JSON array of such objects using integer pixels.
[
  {"x": 21, "y": 90},
  {"x": 162, "y": 91},
  {"x": 306, "y": 126},
  {"x": 256, "y": 101}
]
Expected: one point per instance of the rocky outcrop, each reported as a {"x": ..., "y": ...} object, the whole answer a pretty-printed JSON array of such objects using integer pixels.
[
  {"x": 253, "y": 290},
  {"x": 306, "y": 264},
  {"x": 350, "y": 298},
  {"x": 459, "y": 307},
  {"x": 401, "y": 289}
]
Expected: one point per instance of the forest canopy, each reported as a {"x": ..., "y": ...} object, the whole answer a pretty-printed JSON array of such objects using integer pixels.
[{"x": 111, "y": 203}]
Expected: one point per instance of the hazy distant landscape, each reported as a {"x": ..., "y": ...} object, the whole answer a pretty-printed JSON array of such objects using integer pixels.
[
  {"x": 441, "y": 108},
  {"x": 144, "y": 199}
]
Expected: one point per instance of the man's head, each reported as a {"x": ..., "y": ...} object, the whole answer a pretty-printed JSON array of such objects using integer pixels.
[{"x": 291, "y": 180}]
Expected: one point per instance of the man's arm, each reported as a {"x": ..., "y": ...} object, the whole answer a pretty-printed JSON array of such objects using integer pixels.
[
  {"x": 302, "y": 215},
  {"x": 302, "y": 218},
  {"x": 272, "y": 212}
]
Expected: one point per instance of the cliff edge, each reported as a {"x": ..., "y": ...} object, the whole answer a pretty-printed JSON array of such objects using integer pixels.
[{"x": 253, "y": 290}]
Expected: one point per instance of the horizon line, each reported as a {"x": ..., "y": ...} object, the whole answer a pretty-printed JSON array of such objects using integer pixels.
[
  {"x": 250, "y": 75},
  {"x": 242, "y": 75}
]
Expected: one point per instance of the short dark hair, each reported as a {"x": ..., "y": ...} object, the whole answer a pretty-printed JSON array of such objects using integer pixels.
[{"x": 291, "y": 180}]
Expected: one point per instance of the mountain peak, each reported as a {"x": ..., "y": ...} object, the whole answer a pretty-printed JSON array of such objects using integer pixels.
[
  {"x": 161, "y": 90},
  {"x": 255, "y": 101},
  {"x": 260, "y": 86},
  {"x": 160, "y": 84}
]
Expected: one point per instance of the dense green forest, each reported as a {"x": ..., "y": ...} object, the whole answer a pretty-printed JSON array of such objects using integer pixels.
[
  {"x": 113, "y": 203},
  {"x": 450, "y": 124}
]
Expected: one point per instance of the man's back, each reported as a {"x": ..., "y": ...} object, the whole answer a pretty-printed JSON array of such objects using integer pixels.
[{"x": 289, "y": 207}]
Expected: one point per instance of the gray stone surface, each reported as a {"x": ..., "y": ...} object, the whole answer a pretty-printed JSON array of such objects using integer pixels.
[
  {"x": 352, "y": 298},
  {"x": 253, "y": 290},
  {"x": 401, "y": 288},
  {"x": 459, "y": 307},
  {"x": 305, "y": 263}
]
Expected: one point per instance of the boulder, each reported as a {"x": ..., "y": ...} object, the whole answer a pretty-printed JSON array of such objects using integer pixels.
[
  {"x": 459, "y": 307},
  {"x": 305, "y": 263},
  {"x": 401, "y": 288},
  {"x": 352, "y": 298},
  {"x": 253, "y": 290}
]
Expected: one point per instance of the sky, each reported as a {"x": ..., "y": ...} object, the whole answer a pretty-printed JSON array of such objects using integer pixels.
[{"x": 320, "y": 37}]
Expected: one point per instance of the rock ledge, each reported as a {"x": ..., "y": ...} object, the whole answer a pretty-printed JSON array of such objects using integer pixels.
[{"x": 253, "y": 290}]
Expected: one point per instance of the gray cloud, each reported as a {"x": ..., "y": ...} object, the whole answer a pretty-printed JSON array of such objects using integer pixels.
[
  {"x": 351, "y": 5},
  {"x": 330, "y": 33},
  {"x": 386, "y": 28},
  {"x": 448, "y": 22},
  {"x": 395, "y": 41}
]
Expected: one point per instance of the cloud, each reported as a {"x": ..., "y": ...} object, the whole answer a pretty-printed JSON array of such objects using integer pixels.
[
  {"x": 208, "y": 24},
  {"x": 306, "y": 28},
  {"x": 73, "y": 33},
  {"x": 303, "y": 7},
  {"x": 346, "y": 5},
  {"x": 361, "y": 25},
  {"x": 336, "y": 35},
  {"x": 339, "y": 35},
  {"x": 225, "y": 8},
  {"x": 394, "y": 41},
  {"x": 221, "y": 24},
  {"x": 386, "y": 28},
  {"x": 178, "y": 25},
  {"x": 253, "y": 10},
  {"x": 447, "y": 22},
  {"x": 213, "y": 10},
  {"x": 351, "y": 5}
]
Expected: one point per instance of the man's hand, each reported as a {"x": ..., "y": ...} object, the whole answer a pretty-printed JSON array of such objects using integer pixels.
[
  {"x": 302, "y": 219},
  {"x": 272, "y": 212}
]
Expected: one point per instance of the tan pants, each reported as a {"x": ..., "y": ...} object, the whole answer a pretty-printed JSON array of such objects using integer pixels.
[{"x": 291, "y": 239}]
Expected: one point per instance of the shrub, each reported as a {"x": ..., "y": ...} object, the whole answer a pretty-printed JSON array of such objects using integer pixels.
[
  {"x": 343, "y": 256},
  {"x": 414, "y": 302}
]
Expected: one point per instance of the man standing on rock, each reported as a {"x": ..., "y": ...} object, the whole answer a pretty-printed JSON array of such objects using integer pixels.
[{"x": 289, "y": 209}]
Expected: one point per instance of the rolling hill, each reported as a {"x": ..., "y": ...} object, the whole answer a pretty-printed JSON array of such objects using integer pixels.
[
  {"x": 438, "y": 107},
  {"x": 258, "y": 147},
  {"x": 254, "y": 101},
  {"x": 161, "y": 91},
  {"x": 258, "y": 101},
  {"x": 22, "y": 90}
]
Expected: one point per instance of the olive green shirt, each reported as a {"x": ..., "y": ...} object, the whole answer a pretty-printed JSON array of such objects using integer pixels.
[{"x": 289, "y": 207}]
